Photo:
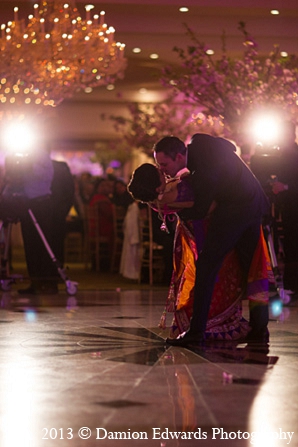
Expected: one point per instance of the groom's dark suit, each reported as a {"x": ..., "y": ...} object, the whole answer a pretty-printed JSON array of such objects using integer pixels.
[{"x": 219, "y": 175}]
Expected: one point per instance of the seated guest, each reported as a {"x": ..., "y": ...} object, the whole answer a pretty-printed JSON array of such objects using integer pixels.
[
  {"x": 121, "y": 196},
  {"x": 105, "y": 223}
]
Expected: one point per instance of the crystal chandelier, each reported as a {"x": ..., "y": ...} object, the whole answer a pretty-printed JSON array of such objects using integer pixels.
[{"x": 55, "y": 54}]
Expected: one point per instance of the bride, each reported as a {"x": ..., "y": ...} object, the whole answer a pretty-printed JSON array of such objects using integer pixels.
[{"x": 225, "y": 320}]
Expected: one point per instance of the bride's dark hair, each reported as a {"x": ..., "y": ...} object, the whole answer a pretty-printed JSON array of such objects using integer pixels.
[{"x": 143, "y": 183}]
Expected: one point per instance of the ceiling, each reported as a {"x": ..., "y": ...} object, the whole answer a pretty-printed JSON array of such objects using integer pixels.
[{"x": 156, "y": 26}]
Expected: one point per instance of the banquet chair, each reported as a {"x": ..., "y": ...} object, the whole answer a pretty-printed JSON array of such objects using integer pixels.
[
  {"x": 97, "y": 245},
  {"x": 118, "y": 220},
  {"x": 152, "y": 258},
  {"x": 74, "y": 246}
]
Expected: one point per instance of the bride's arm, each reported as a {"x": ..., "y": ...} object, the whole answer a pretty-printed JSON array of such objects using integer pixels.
[{"x": 169, "y": 200}]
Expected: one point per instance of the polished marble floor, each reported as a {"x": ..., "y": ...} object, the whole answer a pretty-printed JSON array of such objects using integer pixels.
[{"x": 93, "y": 370}]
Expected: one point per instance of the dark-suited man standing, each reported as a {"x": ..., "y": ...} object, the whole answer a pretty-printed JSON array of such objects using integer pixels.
[{"x": 222, "y": 182}]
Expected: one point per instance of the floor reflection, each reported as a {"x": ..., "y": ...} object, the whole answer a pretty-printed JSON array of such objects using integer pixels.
[
  {"x": 141, "y": 346},
  {"x": 100, "y": 360}
]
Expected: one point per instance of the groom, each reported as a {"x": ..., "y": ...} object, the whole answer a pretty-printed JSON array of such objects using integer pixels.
[{"x": 218, "y": 176}]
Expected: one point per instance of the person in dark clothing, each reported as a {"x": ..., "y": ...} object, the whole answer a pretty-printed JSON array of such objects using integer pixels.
[
  {"x": 221, "y": 181},
  {"x": 28, "y": 187},
  {"x": 62, "y": 199},
  {"x": 50, "y": 212},
  {"x": 35, "y": 191},
  {"x": 121, "y": 196},
  {"x": 277, "y": 170},
  {"x": 285, "y": 189},
  {"x": 41, "y": 269}
]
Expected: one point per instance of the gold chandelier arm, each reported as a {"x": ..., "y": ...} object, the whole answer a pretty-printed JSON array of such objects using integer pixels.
[{"x": 56, "y": 54}]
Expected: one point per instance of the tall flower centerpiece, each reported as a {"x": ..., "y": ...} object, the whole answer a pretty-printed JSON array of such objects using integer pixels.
[
  {"x": 235, "y": 89},
  {"x": 149, "y": 122}
]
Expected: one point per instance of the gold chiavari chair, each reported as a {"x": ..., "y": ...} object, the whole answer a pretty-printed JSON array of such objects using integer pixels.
[{"x": 152, "y": 258}]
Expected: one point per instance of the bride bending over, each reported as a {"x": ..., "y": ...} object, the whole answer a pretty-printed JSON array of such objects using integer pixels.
[{"x": 225, "y": 321}]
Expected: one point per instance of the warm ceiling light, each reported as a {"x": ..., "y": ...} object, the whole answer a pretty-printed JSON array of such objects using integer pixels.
[
  {"x": 154, "y": 56},
  {"x": 210, "y": 52},
  {"x": 274, "y": 12},
  {"x": 183, "y": 9},
  {"x": 136, "y": 50},
  {"x": 284, "y": 54}
]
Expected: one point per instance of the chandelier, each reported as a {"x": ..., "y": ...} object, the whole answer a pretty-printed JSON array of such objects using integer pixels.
[{"x": 56, "y": 53}]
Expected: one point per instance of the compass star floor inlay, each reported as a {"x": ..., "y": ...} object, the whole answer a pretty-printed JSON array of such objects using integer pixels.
[{"x": 99, "y": 361}]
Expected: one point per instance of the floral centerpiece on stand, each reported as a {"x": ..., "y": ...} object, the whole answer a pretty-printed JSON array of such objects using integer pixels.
[
  {"x": 235, "y": 89},
  {"x": 220, "y": 96},
  {"x": 149, "y": 122}
]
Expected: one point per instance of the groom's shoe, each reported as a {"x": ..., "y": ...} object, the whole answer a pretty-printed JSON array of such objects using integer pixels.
[
  {"x": 258, "y": 321},
  {"x": 256, "y": 338},
  {"x": 186, "y": 339},
  {"x": 261, "y": 336}
]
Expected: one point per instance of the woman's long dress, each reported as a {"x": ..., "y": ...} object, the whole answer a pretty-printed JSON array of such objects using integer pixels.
[{"x": 225, "y": 320}]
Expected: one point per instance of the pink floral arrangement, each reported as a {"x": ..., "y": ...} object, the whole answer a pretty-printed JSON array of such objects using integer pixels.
[
  {"x": 213, "y": 95},
  {"x": 234, "y": 89}
]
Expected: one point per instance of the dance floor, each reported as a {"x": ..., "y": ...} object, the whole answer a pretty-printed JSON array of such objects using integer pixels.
[{"x": 94, "y": 371}]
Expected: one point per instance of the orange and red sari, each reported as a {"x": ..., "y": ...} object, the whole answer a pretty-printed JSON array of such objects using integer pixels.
[{"x": 225, "y": 320}]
